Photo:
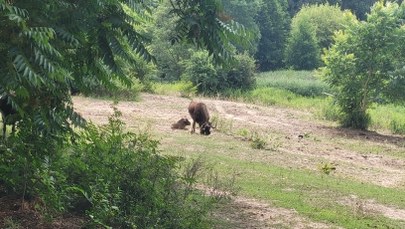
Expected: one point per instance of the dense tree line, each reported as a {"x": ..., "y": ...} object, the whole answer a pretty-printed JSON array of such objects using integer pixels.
[{"x": 272, "y": 24}]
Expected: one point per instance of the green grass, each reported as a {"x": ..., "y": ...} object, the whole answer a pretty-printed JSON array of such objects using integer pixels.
[
  {"x": 314, "y": 195},
  {"x": 303, "y": 83},
  {"x": 121, "y": 92},
  {"x": 184, "y": 89},
  {"x": 373, "y": 149},
  {"x": 389, "y": 117},
  {"x": 284, "y": 98},
  {"x": 310, "y": 192}
]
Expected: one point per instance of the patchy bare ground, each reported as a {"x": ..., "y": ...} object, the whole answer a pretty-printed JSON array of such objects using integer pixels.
[
  {"x": 305, "y": 144},
  {"x": 308, "y": 142},
  {"x": 15, "y": 213},
  {"x": 245, "y": 213}
]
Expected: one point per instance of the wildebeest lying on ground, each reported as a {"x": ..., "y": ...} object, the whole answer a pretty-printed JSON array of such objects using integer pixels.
[
  {"x": 181, "y": 124},
  {"x": 199, "y": 113},
  {"x": 7, "y": 113}
]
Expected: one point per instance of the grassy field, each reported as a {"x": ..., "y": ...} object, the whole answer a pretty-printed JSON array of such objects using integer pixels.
[
  {"x": 333, "y": 199},
  {"x": 308, "y": 174},
  {"x": 280, "y": 147}
]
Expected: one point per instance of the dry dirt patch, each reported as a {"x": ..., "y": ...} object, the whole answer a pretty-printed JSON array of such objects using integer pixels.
[
  {"x": 366, "y": 207},
  {"x": 250, "y": 213}
]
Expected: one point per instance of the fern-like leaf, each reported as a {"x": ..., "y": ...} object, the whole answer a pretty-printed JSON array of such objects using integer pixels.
[
  {"x": 25, "y": 69},
  {"x": 43, "y": 61},
  {"x": 67, "y": 37},
  {"x": 77, "y": 119}
]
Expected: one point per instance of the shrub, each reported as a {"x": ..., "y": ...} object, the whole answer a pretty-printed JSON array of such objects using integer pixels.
[
  {"x": 397, "y": 127},
  {"x": 241, "y": 73},
  {"x": 359, "y": 66},
  {"x": 127, "y": 183},
  {"x": 29, "y": 167},
  {"x": 330, "y": 112},
  {"x": 117, "y": 178},
  {"x": 210, "y": 79},
  {"x": 200, "y": 70},
  {"x": 258, "y": 143}
]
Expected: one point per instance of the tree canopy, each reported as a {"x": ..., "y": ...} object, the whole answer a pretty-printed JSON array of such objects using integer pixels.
[
  {"x": 273, "y": 21},
  {"x": 323, "y": 20},
  {"x": 46, "y": 46}
]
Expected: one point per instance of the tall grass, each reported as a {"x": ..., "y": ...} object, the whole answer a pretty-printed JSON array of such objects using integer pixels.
[
  {"x": 284, "y": 98},
  {"x": 303, "y": 83},
  {"x": 182, "y": 88},
  {"x": 286, "y": 88},
  {"x": 120, "y": 91},
  {"x": 388, "y": 117}
]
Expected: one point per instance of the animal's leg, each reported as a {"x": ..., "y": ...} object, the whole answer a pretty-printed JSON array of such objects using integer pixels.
[
  {"x": 13, "y": 128},
  {"x": 193, "y": 128}
]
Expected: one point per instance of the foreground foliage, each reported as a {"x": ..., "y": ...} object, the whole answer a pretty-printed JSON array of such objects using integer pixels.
[{"x": 117, "y": 178}]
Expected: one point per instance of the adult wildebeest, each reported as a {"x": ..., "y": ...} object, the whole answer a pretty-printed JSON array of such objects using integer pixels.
[
  {"x": 181, "y": 124},
  {"x": 199, "y": 114},
  {"x": 7, "y": 113}
]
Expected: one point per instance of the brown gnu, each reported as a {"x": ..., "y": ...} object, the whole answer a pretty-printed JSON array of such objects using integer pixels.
[{"x": 199, "y": 114}]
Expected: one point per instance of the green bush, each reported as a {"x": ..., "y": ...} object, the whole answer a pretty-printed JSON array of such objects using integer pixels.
[
  {"x": 128, "y": 183},
  {"x": 258, "y": 143},
  {"x": 241, "y": 73},
  {"x": 117, "y": 178},
  {"x": 364, "y": 62},
  {"x": 210, "y": 79},
  {"x": 397, "y": 127},
  {"x": 30, "y": 167},
  {"x": 330, "y": 111},
  {"x": 200, "y": 70}
]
